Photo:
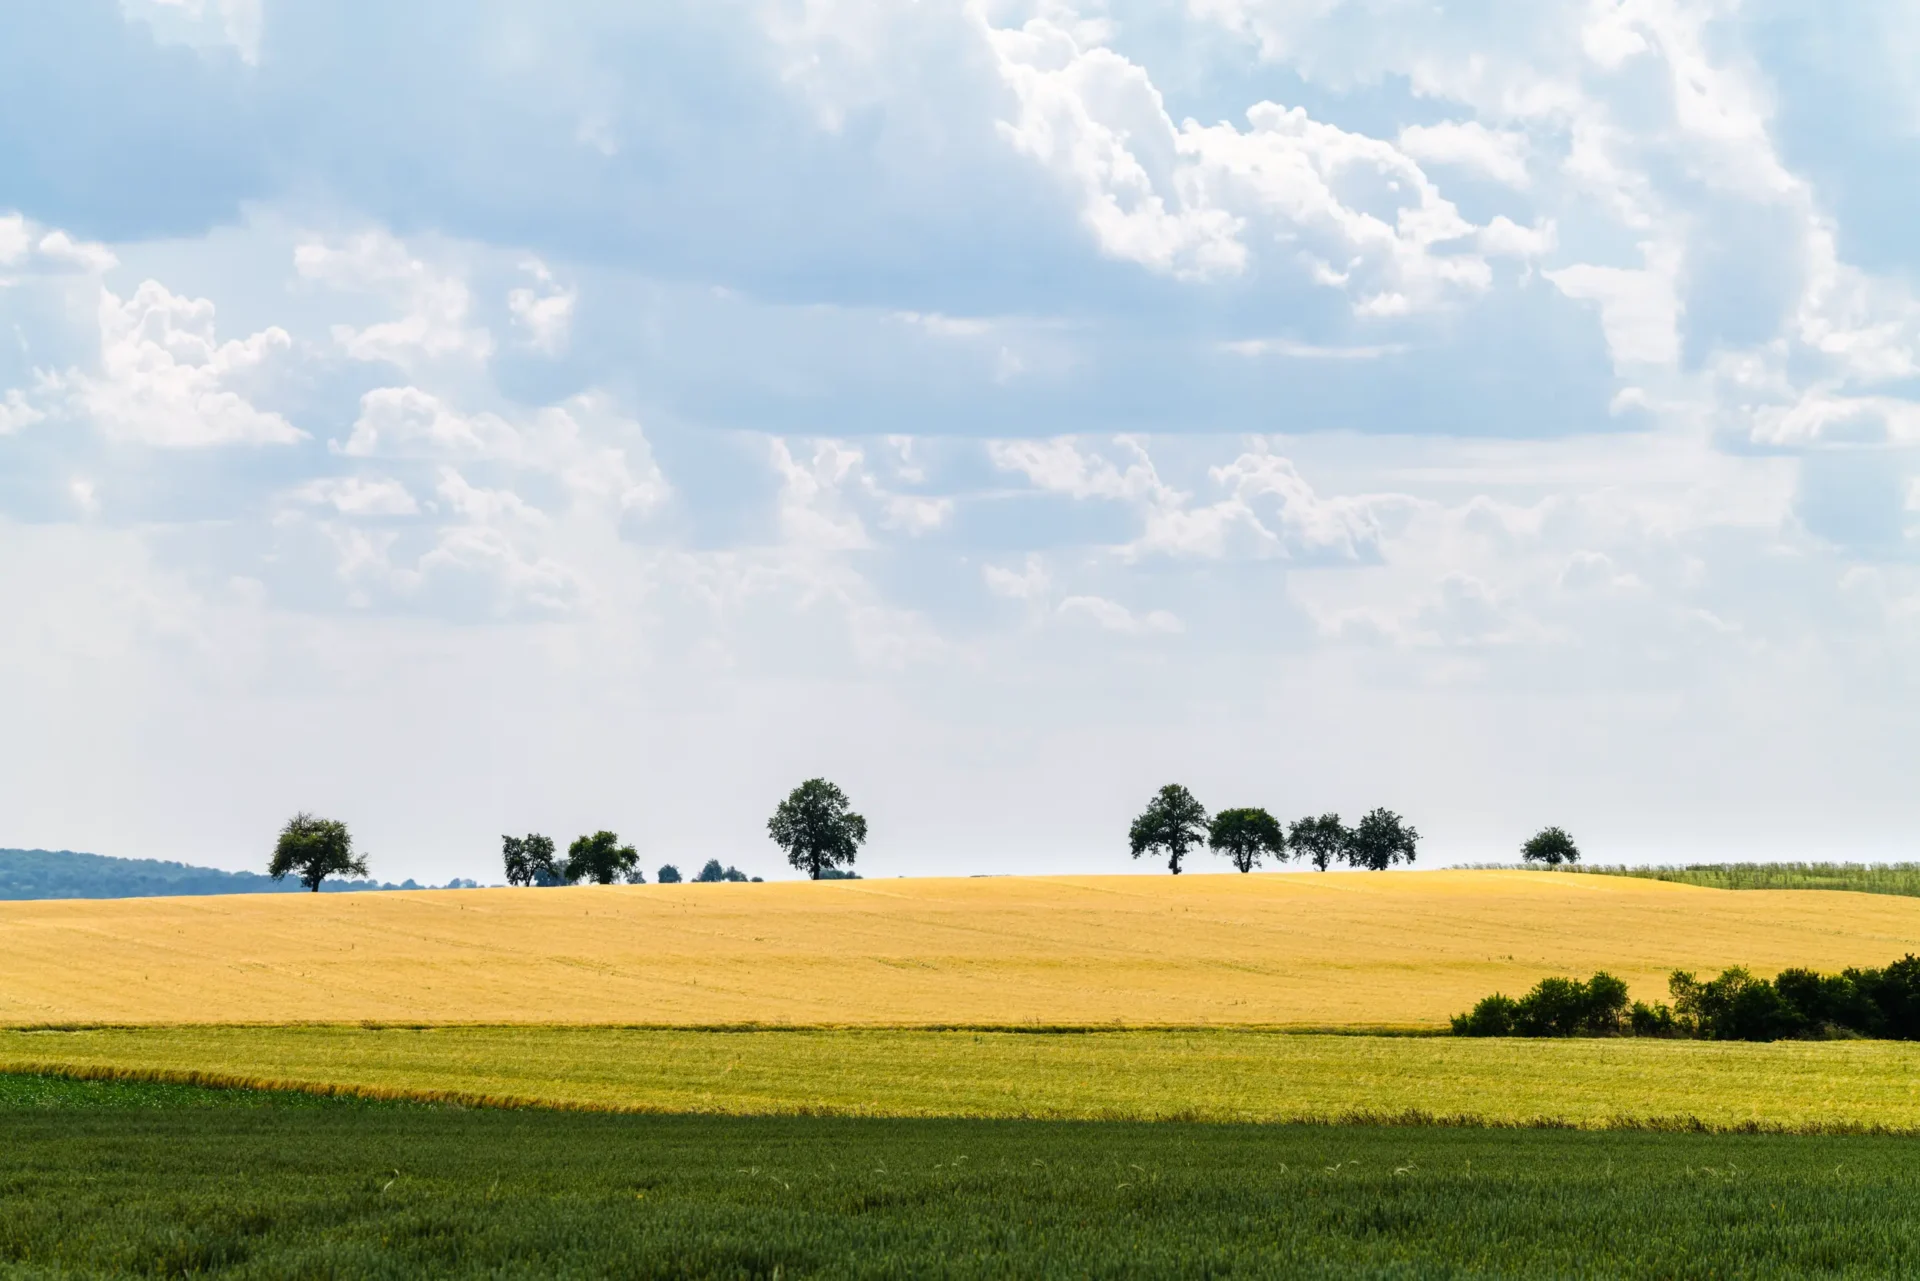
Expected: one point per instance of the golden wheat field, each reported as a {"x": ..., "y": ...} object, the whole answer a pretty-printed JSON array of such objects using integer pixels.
[
  {"x": 1282, "y": 950},
  {"x": 1205, "y": 1074}
]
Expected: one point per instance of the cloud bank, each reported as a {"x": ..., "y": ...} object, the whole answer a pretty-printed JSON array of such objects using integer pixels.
[{"x": 469, "y": 421}]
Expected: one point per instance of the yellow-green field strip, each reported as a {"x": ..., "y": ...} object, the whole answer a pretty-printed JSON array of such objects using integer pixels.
[{"x": 1209, "y": 1075}]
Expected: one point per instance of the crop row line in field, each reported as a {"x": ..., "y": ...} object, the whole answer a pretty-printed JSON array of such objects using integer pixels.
[
  {"x": 1405, "y": 1118},
  {"x": 1028, "y": 1029}
]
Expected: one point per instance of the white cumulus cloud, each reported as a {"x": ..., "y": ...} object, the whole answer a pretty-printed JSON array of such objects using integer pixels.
[
  {"x": 1063, "y": 466},
  {"x": 1499, "y": 154},
  {"x": 16, "y": 413},
  {"x": 358, "y": 495},
  {"x": 166, "y": 379},
  {"x": 814, "y": 511},
  {"x": 1197, "y": 201},
  {"x": 408, "y": 422},
  {"x": 1030, "y": 582},
  {"x": 543, "y": 310},
  {"x": 432, "y": 305},
  {"x": 1640, "y": 307},
  {"x": 24, "y": 243},
  {"x": 483, "y": 506},
  {"x": 1270, "y": 510}
]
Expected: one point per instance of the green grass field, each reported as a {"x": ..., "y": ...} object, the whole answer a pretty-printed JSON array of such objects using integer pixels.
[
  {"x": 143, "y": 1180},
  {"x": 1863, "y": 878},
  {"x": 1216, "y": 1075}
]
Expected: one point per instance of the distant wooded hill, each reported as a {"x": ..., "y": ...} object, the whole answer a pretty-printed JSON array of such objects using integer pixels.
[{"x": 34, "y": 874}]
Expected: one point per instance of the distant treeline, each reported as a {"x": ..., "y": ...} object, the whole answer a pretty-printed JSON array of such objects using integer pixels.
[
  {"x": 44, "y": 874},
  {"x": 599, "y": 859},
  {"x": 815, "y": 825},
  {"x": 1175, "y": 823},
  {"x": 1797, "y": 1004}
]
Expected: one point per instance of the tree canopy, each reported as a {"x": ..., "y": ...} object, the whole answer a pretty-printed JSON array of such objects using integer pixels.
[
  {"x": 1551, "y": 846},
  {"x": 1247, "y": 835},
  {"x": 713, "y": 873},
  {"x": 1173, "y": 823},
  {"x": 530, "y": 860},
  {"x": 817, "y": 828},
  {"x": 314, "y": 849},
  {"x": 1380, "y": 840},
  {"x": 599, "y": 858},
  {"x": 1319, "y": 840},
  {"x": 668, "y": 874}
]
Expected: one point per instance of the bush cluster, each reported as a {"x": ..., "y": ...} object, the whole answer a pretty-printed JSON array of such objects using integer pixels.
[
  {"x": 1555, "y": 1007},
  {"x": 1734, "y": 1006}
]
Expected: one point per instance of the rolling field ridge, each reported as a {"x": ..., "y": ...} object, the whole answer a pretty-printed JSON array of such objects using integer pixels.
[{"x": 1379, "y": 951}]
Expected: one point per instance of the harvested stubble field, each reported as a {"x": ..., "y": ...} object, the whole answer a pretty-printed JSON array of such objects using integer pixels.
[
  {"x": 1399, "y": 950},
  {"x": 1211, "y": 1075},
  {"x": 103, "y": 1180}
]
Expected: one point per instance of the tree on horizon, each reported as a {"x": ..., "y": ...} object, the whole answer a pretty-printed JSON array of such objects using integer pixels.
[
  {"x": 1551, "y": 846},
  {"x": 1245, "y": 836},
  {"x": 1173, "y": 823},
  {"x": 529, "y": 860},
  {"x": 713, "y": 873},
  {"x": 1380, "y": 840},
  {"x": 817, "y": 828},
  {"x": 1319, "y": 840},
  {"x": 314, "y": 849},
  {"x": 599, "y": 858}
]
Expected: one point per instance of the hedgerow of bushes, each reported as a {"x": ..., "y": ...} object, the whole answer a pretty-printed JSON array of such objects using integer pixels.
[{"x": 1735, "y": 1006}]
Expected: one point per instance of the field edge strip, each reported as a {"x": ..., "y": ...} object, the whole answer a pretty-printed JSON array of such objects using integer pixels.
[
  {"x": 1409, "y": 1030},
  {"x": 1407, "y": 1118}
]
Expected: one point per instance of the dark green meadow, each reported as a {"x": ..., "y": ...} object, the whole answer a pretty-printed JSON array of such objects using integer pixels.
[{"x": 158, "y": 1180}]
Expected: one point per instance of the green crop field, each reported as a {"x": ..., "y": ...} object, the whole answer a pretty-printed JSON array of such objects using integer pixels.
[
  {"x": 1864, "y": 878},
  {"x": 155, "y": 1180},
  {"x": 1211, "y": 1074}
]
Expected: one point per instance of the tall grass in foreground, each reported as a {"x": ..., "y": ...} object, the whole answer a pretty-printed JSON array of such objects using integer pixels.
[
  {"x": 246, "y": 1188},
  {"x": 1865, "y": 878}
]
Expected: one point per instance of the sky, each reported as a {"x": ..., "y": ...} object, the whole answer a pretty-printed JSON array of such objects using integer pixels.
[{"x": 468, "y": 417}]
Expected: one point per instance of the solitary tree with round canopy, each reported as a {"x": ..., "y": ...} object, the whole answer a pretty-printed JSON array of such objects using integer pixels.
[
  {"x": 817, "y": 828},
  {"x": 314, "y": 849},
  {"x": 1245, "y": 835},
  {"x": 1552, "y": 846},
  {"x": 1380, "y": 840},
  {"x": 1173, "y": 823}
]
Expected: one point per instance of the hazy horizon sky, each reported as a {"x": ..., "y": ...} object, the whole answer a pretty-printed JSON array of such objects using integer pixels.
[{"x": 467, "y": 418}]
